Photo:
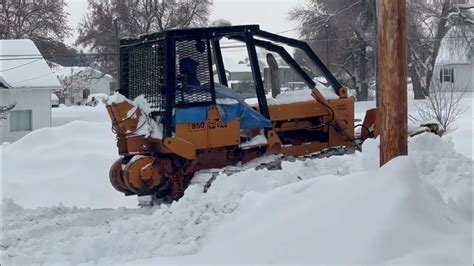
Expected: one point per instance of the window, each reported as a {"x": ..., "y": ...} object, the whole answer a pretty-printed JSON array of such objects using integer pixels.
[
  {"x": 20, "y": 120},
  {"x": 446, "y": 75}
]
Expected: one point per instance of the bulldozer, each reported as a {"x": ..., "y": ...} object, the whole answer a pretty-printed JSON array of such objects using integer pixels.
[{"x": 175, "y": 114}]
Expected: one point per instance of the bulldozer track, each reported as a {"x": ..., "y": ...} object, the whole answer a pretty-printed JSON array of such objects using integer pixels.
[{"x": 275, "y": 164}]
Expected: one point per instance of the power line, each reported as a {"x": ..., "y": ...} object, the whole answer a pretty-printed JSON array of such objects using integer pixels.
[
  {"x": 37, "y": 77},
  {"x": 22, "y": 65},
  {"x": 37, "y": 57},
  {"x": 53, "y": 72}
]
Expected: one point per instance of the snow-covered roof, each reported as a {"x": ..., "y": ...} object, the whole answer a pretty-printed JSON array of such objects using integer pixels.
[
  {"x": 4, "y": 84},
  {"x": 23, "y": 66},
  {"x": 233, "y": 66},
  {"x": 64, "y": 72},
  {"x": 454, "y": 52}
]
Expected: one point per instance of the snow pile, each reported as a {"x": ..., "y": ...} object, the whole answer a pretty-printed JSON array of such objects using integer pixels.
[
  {"x": 67, "y": 164},
  {"x": 448, "y": 171},
  {"x": 401, "y": 213},
  {"x": 326, "y": 90},
  {"x": 146, "y": 126},
  {"x": 346, "y": 210},
  {"x": 117, "y": 98},
  {"x": 169, "y": 231},
  {"x": 463, "y": 129},
  {"x": 226, "y": 101},
  {"x": 149, "y": 128},
  {"x": 296, "y": 96},
  {"x": 379, "y": 216},
  {"x": 257, "y": 140},
  {"x": 66, "y": 114}
]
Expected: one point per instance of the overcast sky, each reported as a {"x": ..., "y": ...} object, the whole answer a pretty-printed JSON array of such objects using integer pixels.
[{"x": 270, "y": 14}]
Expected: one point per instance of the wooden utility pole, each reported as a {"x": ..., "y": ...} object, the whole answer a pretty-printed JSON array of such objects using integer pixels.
[{"x": 392, "y": 68}]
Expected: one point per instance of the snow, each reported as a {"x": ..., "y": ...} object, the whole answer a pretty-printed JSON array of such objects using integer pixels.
[
  {"x": 22, "y": 65},
  {"x": 257, "y": 140},
  {"x": 54, "y": 99},
  {"x": 374, "y": 216},
  {"x": 142, "y": 103},
  {"x": 68, "y": 164},
  {"x": 339, "y": 210},
  {"x": 117, "y": 98},
  {"x": 327, "y": 91},
  {"x": 220, "y": 23},
  {"x": 65, "y": 72},
  {"x": 149, "y": 128},
  {"x": 454, "y": 51},
  {"x": 146, "y": 126},
  {"x": 302, "y": 95},
  {"x": 233, "y": 66},
  {"x": 226, "y": 101},
  {"x": 101, "y": 97},
  {"x": 66, "y": 114}
]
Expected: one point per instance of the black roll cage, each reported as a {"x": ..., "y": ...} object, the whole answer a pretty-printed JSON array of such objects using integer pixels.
[{"x": 242, "y": 33}]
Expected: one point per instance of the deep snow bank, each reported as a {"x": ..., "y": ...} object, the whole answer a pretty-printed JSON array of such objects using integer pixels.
[
  {"x": 66, "y": 114},
  {"x": 367, "y": 217},
  {"x": 334, "y": 210},
  {"x": 170, "y": 231},
  {"x": 67, "y": 164},
  {"x": 463, "y": 128}
]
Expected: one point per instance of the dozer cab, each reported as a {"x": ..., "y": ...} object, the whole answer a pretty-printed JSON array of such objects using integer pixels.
[{"x": 176, "y": 115}]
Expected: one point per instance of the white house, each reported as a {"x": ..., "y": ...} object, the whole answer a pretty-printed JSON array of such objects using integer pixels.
[
  {"x": 455, "y": 64},
  {"x": 27, "y": 82},
  {"x": 80, "y": 82}
]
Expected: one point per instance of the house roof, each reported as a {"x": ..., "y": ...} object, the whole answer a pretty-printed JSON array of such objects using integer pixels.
[
  {"x": 233, "y": 66},
  {"x": 63, "y": 72},
  {"x": 4, "y": 84},
  {"x": 455, "y": 51},
  {"x": 23, "y": 66}
]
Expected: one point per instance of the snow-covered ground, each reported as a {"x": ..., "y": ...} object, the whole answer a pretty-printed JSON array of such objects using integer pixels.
[
  {"x": 59, "y": 208},
  {"x": 65, "y": 114}
]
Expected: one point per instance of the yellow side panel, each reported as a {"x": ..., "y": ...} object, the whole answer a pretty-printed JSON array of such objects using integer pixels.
[
  {"x": 298, "y": 110},
  {"x": 181, "y": 147},
  {"x": 213, "y": 133},
  {"x": 195, "y": 133},
  {"x": 345, "y": 110},
  {"x": 221, "y": 134}
]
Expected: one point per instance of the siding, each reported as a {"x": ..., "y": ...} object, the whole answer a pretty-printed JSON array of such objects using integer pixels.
[
  {"x": 463, "y": 75},
  {"x": 36, "y": 100}
]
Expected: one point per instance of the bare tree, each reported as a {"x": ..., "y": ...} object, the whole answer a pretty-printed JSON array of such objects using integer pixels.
[
  {"x": 442, "y": 105},
  {"x": 134, "y": 17},
  {"x": 77, "y": 83},
  {"x": 429, "y": 23},
  {"x": 344, "y": 32},
  {"x": 44, "y": 22},
  {"x": 33, "y": 19}
]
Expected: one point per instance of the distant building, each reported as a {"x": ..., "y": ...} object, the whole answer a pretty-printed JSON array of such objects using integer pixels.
[
  {"x": 455, "y": 64},
  {"x": 240, "y": 76},
  {"x": 27, "y": 81},
  {"x": 80, "y": 82}
]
